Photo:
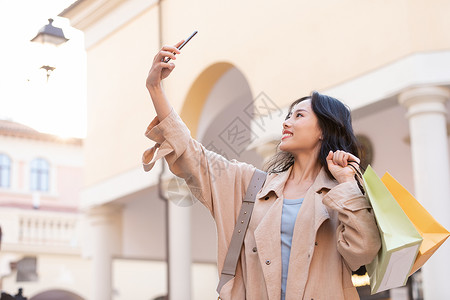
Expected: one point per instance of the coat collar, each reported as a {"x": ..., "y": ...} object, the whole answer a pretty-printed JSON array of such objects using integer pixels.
[
  {"x": 276, "y": 181},
  {"x": 268, "y": 235}
]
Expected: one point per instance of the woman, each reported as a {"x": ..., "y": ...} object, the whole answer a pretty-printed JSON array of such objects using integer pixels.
[{"x": 311, "y": 225}]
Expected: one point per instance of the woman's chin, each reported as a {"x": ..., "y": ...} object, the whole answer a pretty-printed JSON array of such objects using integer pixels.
[{"x": 283, "y": 147}]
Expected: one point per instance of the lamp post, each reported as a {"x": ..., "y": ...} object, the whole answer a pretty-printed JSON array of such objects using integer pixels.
[{"x": 50, "y": 35}]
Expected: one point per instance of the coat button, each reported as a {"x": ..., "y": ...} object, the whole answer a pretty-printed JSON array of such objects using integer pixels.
[
  {"x": 266, "y": 198},
  {"x": 254, "y": 249},
  {"x": 267, "y": 262}
]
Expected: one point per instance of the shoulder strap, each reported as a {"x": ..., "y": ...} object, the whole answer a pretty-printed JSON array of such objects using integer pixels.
[{"x": 234, "y": 250}]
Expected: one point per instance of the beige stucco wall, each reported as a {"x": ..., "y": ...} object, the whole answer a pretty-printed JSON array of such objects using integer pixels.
[
  {"x": 118, "y": 106},
  {"x": 428, "y": 22},
  {"x": 285, "y": 49}
]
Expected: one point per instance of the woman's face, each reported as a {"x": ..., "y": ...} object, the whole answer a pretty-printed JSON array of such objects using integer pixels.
[{"x": 301, "y": 131}]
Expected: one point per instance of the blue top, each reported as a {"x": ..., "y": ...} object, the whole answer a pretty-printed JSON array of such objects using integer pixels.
[{"x": 288, "y": 217}]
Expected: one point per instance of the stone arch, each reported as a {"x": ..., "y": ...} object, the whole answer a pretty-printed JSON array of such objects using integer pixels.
[
  {"x": 198, "y": 94},
  {"x": 56, "y": 294},
  {"x": 220, "y": 102}
]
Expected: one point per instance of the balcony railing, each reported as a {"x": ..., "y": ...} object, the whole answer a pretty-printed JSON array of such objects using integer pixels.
[{"x": 40, "y": 231}]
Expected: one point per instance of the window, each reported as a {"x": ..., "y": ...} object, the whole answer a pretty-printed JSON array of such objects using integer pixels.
[
  {"x": 5, "y": 170},
  {"x": 39, "y": 175}
]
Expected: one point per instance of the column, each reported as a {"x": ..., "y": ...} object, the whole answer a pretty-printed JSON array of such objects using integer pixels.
[
  {"x": 180, "y": 245},
  {"x": 430, "y": 159},
  {"x": 106, "y": 235}
]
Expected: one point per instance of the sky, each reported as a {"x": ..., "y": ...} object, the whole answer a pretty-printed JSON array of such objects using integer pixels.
[{"x": 56, "y": 106}]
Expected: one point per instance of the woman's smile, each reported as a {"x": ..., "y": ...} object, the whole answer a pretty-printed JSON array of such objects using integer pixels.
[{"x": 286, "y": 134}]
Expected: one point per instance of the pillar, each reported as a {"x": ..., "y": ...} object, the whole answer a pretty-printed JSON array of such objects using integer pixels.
[
  {"x": 179, "y": 251},
  {"x": 430, "y": 159},
  {"x": 106, "y": 235}
]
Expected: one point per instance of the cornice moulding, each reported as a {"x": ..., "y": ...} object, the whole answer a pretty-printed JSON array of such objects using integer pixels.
[{"x": 99, "y": 18}]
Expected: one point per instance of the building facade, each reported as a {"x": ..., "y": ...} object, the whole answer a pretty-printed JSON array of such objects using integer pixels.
[
  {"x": 389, "y": 61},
  {"x": 40, "y": 181}
]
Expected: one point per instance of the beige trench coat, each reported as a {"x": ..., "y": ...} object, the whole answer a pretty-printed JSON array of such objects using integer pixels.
[{"x": 335, "y": 231}]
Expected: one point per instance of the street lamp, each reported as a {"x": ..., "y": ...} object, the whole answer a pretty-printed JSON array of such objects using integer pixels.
[{"x": 50, "y": 35}]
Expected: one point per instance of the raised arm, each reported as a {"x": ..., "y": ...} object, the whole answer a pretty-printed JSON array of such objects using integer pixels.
[
  {"x": 218, "y": 183},
  {"x": 157, "y": 73}
]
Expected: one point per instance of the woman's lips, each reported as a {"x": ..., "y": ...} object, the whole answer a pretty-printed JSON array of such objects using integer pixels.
[{"x": 286, "y": 134}]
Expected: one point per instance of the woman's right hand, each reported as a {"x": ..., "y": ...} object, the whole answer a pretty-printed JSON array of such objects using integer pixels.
[
  {"x": 338, "y": 164},
  {"x": 161, "y": 69}
]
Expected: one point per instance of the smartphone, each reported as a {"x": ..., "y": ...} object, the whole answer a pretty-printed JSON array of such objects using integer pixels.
[{"x": 182, "y": 45}]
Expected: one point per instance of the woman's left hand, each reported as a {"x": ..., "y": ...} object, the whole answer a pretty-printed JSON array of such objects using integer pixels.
[{"x": 338, "y": 164}]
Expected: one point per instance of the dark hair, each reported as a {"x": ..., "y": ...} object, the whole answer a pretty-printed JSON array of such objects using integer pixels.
[{"x": 335, "y": 122}]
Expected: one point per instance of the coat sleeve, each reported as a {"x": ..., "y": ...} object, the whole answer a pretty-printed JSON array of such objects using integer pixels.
[
  {"x": 358, "y": 238},
  {"x": 215, "y": 181}
]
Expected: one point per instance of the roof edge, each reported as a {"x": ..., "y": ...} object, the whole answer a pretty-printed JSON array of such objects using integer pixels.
[{"x": 67, "y": 10}]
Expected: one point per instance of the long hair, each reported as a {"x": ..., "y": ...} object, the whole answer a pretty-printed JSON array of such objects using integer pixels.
[{"x": 335, "y": 122}]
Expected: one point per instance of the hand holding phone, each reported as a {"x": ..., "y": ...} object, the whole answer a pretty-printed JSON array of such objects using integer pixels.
[{"x": 167, "y": 59}]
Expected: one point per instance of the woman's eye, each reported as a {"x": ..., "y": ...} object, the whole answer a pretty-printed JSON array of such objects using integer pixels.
[
  {"x": 287, "y": 117},
  {"x": 299, "y": 115}
]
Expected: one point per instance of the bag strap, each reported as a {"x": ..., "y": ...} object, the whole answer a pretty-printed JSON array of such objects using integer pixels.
[
  {"x": 358, "y": 174},
  {"x": 237, "y": 239}
]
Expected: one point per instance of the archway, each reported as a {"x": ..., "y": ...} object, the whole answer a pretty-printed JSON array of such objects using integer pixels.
[
  {"x": 218, "y": 111},
  {"x": 56, "y": 295},
  {"x": 198, "y": 94}
]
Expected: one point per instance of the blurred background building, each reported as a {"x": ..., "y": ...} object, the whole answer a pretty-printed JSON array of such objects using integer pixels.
[
  {"x": 41, "y": 176},
  {"x": 389, "y": 61}
]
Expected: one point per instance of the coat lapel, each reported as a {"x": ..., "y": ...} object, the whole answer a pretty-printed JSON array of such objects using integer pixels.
[
  {"x": 268, "y": 234},
  {"x": 268, "y": 242},
  {"x": 311, "y": 215}
]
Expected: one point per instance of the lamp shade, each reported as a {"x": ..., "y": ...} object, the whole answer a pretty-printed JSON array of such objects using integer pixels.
[{"x": 50, "y": 34}]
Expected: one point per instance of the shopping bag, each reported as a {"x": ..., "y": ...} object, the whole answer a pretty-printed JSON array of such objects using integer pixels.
[
  {"x": 433, "y": 233},
  {"x": 400, "y": 240}
]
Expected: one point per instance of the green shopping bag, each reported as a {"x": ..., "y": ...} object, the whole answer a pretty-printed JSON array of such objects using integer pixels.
[{"x": 400, "y": 240}]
